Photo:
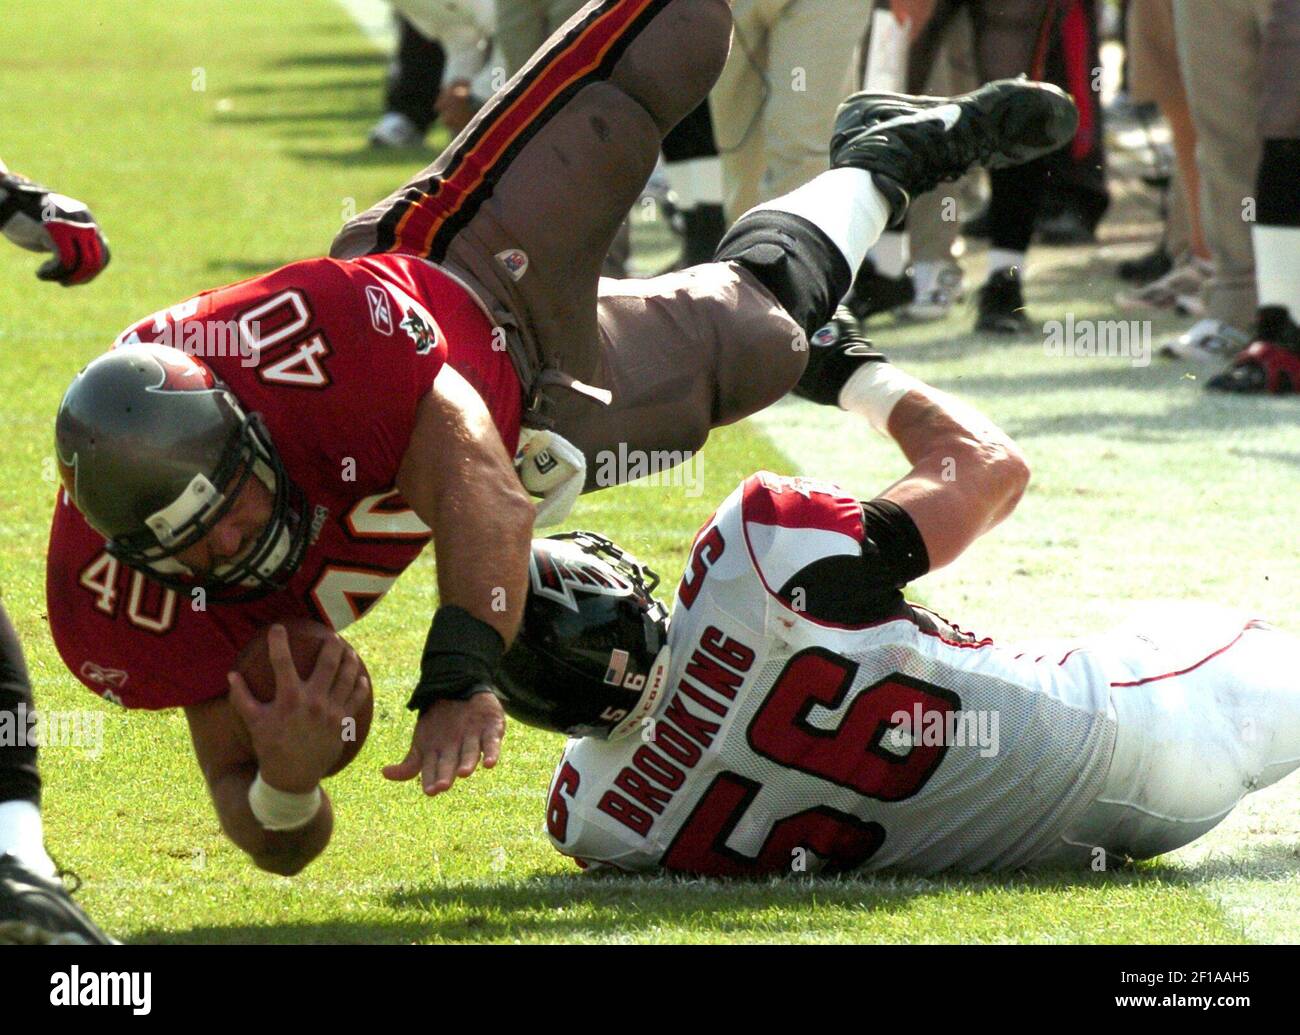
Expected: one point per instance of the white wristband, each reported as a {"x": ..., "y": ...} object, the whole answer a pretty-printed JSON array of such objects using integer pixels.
[
  {"x": 280, "y": 810},
  {"x": 873, "y": 390}
]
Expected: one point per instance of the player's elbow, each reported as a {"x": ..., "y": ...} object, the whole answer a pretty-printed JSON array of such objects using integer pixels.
[
  {"x": 1007, "y": 472},
  {"x": 991, "y": 469},
  {"x": 516, "y": 510}
]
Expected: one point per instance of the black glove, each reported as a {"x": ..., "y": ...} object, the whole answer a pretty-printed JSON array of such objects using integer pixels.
[
  {"x": 835, "y": 351},
  {"x": 460, "y": 659},
  {"x": 43, "y": 221}
]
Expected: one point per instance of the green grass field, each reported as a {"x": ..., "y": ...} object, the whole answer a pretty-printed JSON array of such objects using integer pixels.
[{"x": 217, "y": 140}]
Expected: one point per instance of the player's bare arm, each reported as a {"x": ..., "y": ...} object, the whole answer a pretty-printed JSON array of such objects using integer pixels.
[
  {"x": 458, "y": 477},
  {"x": 967, "y": 474},
  {"x": 270, "y": 758}
]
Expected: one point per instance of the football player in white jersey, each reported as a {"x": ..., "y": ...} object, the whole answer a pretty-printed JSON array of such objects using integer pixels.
[{"x": 797, "y": 714}]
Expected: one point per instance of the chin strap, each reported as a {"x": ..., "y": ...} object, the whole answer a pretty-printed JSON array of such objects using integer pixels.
[{"x": 553, "y": 468}]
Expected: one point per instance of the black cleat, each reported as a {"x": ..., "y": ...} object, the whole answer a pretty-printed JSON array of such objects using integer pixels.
[
  {"x": 1002, "y": 305},
  {"x": 912, "y": 144},
  {"x": 873, "y": 292},
  {"x": 36, "y": 911},
  {"x": 1271, "y": 363},
  {"x": 1146, "y": 268}
]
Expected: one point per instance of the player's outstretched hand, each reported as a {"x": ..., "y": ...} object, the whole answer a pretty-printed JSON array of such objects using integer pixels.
[
  {"x": 448, "y": 741},
  {"x": 41, "y": 220},
  {"x": 296, "y": 736}
]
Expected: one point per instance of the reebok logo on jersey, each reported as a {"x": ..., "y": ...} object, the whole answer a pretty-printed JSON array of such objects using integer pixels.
[
  {"x": 101, "y": 676},
  {"x": 381, "y": 313},
  {"x": 948, "y": 114}
]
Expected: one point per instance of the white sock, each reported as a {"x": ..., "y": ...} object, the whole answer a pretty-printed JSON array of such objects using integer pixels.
[
  {"x": 1277, "y": 266},
  {"x": 1005, "y": 259},
  {"x": 844, "y": 204},
  {"x": 891, "y": 254},
  {"x": 22, "y": 836}
]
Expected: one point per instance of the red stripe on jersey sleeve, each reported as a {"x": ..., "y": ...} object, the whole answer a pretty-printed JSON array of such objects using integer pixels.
[{"x": 772, "y": 499}]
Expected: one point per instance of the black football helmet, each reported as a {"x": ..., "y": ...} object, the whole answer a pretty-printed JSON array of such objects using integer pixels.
[
  {"x": 153, "y": 450},
  {"x": 591, "y": 659}
]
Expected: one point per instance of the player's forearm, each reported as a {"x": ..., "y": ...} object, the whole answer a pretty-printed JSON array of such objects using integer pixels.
[
  {"x": 460, "y": 480},
  {"x": 955, "y": 442},
  {"x": 482, "y": 530},
  {"x": 284, "y": 852}
]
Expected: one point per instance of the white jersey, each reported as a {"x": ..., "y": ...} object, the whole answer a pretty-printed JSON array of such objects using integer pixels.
[{"x": 788, "y": 742}]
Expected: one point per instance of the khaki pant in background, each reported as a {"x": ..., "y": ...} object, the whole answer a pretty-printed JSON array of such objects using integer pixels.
[
  {"x": 524, "y": 25},
  {"x": 1281, "y": 96},
  {"x": 790, "y": 66},
  {"x": 933, "y": 230},
  {"x": 1220, "y": 46}
]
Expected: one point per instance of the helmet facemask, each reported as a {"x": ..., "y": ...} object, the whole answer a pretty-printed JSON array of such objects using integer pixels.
[{"x": 262, "y": 568}]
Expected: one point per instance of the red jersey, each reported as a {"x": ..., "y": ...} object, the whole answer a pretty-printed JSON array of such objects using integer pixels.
[{"x": 335, "y": 356}]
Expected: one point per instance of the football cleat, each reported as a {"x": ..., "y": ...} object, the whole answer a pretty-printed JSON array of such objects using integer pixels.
[
  {"x": 1146, "y": 268},
  {"x": 938, "y": 289},
  {"x": 395, "y": 130},
  {"x": 1178, "y": 291},
  {"x": 1207, "y": 341},
  {"x": 1001, "y": 305},
  {"x": 36, "y": 911},
  {"x": 1270, "y": 364},
  {"x": 912, "y": 144},
  {"x": 873, "y": 292}
]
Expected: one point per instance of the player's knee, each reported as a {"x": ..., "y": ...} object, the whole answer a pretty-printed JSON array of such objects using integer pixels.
[
  {"x": 801, "y": 267},
  {"x": 623, "y": 143},
  {"x": 672, "y": 75}
]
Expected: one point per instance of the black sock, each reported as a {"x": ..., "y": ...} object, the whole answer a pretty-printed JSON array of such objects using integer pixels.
[
  {"x": 1277, "y": 188},
  {"x": 704, "y": 225},
  {"x": 1014, "y": 201},
  {"x": 794, "y": 260},
  {"x": 415, "y": 76},
  {"x": 19, "y": 780}
]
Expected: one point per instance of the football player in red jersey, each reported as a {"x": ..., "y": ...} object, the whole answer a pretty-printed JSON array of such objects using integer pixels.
[{"x": 284, "y": 446}]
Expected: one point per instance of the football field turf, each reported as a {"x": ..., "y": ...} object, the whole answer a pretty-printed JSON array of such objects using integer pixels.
[{"x": 217, "y": 140}]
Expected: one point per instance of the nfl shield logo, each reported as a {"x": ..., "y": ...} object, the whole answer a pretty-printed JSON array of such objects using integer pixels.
[
  {"x": 515, "y": 262},
  {"x": 827, "y": 335}
]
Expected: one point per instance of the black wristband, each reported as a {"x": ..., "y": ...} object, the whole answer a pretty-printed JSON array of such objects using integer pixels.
[{"x": 461, "y": 655}]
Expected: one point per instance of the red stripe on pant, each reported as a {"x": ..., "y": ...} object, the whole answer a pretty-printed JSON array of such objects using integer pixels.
[{"x": 468, "y": 172}]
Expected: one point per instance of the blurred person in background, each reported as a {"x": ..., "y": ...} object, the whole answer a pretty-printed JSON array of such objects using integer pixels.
[
  {"x": 1271, "y": 363},
  {"x": 1155, "y": 76},
  {"x": 1009, "y": 38},
  {"x": 1220, "y": 52},
  {"x": 524, "y": 25},
  {"x": 789, "y": 66},
  {"x": 441, "y": 70}
]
